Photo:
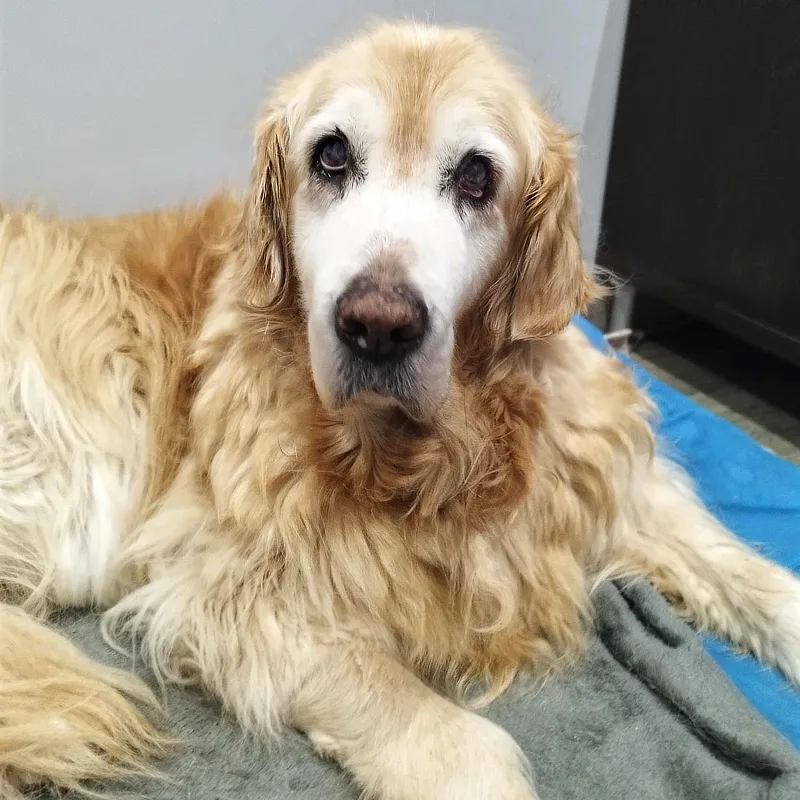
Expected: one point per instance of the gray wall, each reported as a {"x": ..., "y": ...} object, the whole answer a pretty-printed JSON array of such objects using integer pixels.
[{"x": 108, "y": 106}]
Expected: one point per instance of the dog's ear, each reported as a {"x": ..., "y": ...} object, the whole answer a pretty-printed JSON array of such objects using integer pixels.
[
  {"x": 544, "y": 281},
  {"x": 264, "y": 233}
]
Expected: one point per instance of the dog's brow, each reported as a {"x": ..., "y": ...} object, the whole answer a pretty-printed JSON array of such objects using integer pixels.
[{"x": 414, "y": 82}]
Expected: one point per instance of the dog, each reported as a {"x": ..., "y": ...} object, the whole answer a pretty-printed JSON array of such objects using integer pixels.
[{"x": 333, "y": 451}]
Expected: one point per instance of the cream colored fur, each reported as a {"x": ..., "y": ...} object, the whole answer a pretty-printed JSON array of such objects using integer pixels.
[
  {"x": 64, "y": 717},
  {"x": 351, "y": 572}
]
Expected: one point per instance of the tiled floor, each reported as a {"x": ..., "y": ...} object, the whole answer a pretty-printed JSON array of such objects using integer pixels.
[{"x": 757, "y": 392}]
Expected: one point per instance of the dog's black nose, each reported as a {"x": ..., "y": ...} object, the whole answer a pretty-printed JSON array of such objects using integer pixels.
[{"x": 381, "y": 323}]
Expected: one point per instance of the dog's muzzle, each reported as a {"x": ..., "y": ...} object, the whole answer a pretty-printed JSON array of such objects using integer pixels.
[{"x": 381, "y": 326}]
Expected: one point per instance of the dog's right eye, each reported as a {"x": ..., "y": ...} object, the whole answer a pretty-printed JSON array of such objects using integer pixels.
[{"x": 332, "y": 155}]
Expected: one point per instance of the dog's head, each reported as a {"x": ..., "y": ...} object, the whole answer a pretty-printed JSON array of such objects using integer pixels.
[{"x": 405, "y": 182}]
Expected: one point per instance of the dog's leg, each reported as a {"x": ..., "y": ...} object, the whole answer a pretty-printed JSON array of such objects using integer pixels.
[
  {"x": 397, "y": 737},
  {"x": 206, "y": 616},
  {"x": 715, "y": 581}
]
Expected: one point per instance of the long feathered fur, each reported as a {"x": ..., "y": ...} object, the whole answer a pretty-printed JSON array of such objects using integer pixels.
[{"x": 313, "y": 567}]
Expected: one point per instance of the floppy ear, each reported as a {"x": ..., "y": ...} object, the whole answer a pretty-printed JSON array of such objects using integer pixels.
[
  {"x": 264, "y": 228},
  {"x": 545, "y": 281}
]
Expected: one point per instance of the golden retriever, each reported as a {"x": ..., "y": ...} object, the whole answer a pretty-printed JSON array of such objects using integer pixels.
[{"x": 334, "y": 452}]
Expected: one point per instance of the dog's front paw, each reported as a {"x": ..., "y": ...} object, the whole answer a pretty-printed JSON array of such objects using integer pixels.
[{"x": 474, "y": 758}]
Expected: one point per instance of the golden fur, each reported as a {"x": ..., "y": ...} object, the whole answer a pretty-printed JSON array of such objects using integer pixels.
[{"x": 325, "y": 568}]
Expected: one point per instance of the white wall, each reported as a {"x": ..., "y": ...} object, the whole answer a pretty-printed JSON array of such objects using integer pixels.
[{"x": 108, "y": 106}]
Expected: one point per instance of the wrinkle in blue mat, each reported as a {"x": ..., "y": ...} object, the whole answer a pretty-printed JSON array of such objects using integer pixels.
[{"x": 752, "y": 491}]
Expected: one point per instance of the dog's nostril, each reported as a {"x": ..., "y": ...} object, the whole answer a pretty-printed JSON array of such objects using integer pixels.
[
  {"x": 380, "y": 323},
  {"x": 405, "y": 334},
  {"x": 352, "y": 327}
]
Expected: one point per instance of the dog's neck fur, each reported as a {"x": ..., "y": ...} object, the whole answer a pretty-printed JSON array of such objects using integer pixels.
[
  {"x": 472, "y": 459},
  {"x": 448, "y": 536},
  {"x": 387, "y": 505}
]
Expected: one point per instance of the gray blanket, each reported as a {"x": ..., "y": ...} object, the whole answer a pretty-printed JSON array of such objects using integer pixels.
[{"x": 646, "y": 715}]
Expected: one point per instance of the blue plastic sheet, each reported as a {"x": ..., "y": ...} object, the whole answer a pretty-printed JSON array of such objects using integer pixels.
[{"x": 755, "y": 494}]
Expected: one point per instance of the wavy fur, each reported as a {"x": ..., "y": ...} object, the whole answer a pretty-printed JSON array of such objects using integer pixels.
[{"x": 163, "y": 451}]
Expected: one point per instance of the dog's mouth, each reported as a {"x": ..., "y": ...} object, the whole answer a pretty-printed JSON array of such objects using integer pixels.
[
  {"x": 415, "y": 382},
  {"x": 396, "y": 384}
]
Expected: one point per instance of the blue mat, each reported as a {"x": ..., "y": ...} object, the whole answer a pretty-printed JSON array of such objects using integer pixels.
[{"x": 755, "y": 493}]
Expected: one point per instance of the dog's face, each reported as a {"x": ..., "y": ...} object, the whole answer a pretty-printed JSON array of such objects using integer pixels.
[
  {"x": 407, "y": 179},
  {"x": 396, "y": 223}
]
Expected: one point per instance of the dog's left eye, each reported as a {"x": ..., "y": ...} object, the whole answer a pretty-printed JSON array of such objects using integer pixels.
[
  {"x": 475, "y": 177},
  {"x": 332, "y": 155}
]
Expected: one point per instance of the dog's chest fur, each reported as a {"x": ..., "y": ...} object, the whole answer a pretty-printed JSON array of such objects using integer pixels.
[{"x": 447, "y": 538}]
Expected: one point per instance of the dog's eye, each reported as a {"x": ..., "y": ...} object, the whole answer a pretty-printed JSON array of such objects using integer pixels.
[
  {"x": 332, "y": 155},
  {"x": 475, "y": 177}
]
